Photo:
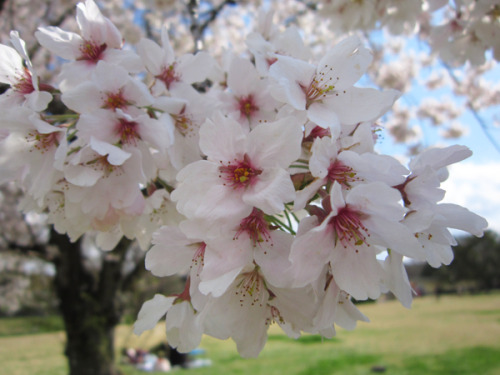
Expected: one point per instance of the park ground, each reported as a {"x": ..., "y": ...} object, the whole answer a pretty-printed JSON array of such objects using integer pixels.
[{"x": 455, "y": 335}]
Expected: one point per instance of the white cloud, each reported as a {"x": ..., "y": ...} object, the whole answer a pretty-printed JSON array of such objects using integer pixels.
[{"x": 476, "y": 187}]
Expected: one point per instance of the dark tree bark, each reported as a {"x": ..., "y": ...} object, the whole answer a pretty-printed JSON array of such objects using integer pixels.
[{"x": 89, "y": 306}]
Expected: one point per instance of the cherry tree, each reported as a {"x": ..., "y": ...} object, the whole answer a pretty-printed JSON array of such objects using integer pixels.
[{"x": 252, "y": 170}]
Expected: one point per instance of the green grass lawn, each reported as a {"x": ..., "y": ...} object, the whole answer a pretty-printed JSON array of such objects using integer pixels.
[{"x": 452, "y": 335}]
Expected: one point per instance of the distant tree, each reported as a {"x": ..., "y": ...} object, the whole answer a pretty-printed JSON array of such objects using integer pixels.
[{"x": 477, "y": 260}]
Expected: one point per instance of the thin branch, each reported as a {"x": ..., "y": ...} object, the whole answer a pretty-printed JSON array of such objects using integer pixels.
[
  {"x": 197, "y": 27},
  {"x": 475, "y": 113}
]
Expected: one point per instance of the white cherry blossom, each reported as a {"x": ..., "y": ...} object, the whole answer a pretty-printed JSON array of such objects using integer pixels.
[
  {"x": 25, "y": 89},
  {"x": 326, "y": 91},
  {"x": 167, "y": 69},
  {"x": 347, "y": 236},
  {"x": 242, "y": 170},
  {"x": 99, "y": 39}
]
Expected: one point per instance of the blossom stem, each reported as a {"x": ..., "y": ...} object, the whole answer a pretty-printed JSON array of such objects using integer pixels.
[
  {"x": 64, "y": 117},
  {"x": 280, "y": 224}
]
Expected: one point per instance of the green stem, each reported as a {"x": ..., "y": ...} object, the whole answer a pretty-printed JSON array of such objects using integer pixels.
[{"x": 64, "y": 117}]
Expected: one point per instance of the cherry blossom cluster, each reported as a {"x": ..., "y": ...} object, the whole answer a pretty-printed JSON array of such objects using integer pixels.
[
  {"x": 255, "y": 175},
  {"x": 458, "y": 31}
]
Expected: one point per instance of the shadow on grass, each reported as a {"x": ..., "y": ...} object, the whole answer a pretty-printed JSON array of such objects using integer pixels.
[
  {"x": 343, "y": 364},
  {"x": 306, "y": 339},
  {"x": 470, "y": 361},
  {"x": 18, "y": 326}
]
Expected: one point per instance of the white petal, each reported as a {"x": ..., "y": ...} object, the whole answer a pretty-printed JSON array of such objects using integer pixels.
[
  {"x": 109, "y": 77},
  {"x": 357, "y": 105},
  {"x": 152, "y": 55},
  {"x": 293, "y": 76},
  {"x": 242, "y": 77},
  {"x": 62, "y": 43},
  {"x": 84, "y": 98},
  {"x": 38, "y": 100},
  {"x": 171, "y": 252},
  {"x": 461, "y": 218},
  {"x": 125, "y": 58},
  {"x": 95, "y": 27},
  {"x": 356, "y": 271},
  {"x": 195, "y": 68},
  {"x": 325, "y": 115},
  {"x": 273, "y": 189},
  {"x": 324, "y": 152},
  {"x": 347, "y": 315},
  {"x": 274, "y": 260},
  {"x": 378, "y": 199},
  {"x": 116, "y": 156},
  {"x": 152, "y": 311},
  {"x": 275, "y": 144},
  {"x": 222, "y": 139},
  {"x": 11, "y": 65},
  {"x": 397, "y": 278},
  {"x": 309, "y": 254},
  {"x": 347, "y": 61},
  {"x": 438, "y": 158},
  {"x": 218, "y": 286},
  {"x": 82, "y": 176}
]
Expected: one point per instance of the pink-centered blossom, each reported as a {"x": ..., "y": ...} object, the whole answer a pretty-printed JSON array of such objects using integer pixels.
[
  {"x": 167, "y": 69},
  {"x": 242, "y": 171},
  {"x": 109, "y": 87},
  {"x": 326, "y": 90},
  {"x": 99, "y": 39},
  {"x": 251, "y": 304},
  {"x": 329, "y": 163},
  {"x": 24, "y": 89},
  {"x": 35, "y": 151},
  {"x": 126, "y": 131},
  {"x": 347, "y": 237},
  {"x": 247, "y": 99}
]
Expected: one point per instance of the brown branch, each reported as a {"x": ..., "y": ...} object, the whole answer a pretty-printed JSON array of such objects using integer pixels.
[{"x": 198, "y": 29}]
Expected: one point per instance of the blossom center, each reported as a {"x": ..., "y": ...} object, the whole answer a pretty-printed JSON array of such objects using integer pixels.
[
  {"x": 247, "y": 106},
  {"x": 43, "y": 142},
  {"x": 101, "y": 163},
  {"x": 91, "y": 51},
  {"x": 183, "y": 123},
  {"x": 240, "y": 174},
  {"x": 169, "y": 76},
  {"x": 251, "y": 288},
  {"x": 114, "y": 101},
  {"x": 199, "y": 257},
  {"x": 24, "y": 85},
  {"x": 255, "y": 226},
  {"x": 348, "y": 227},
  {"x": 321, "y": 85},
  {"x": 341, "y": 173},
  {"x": 271, "y": 60},
  {"x": 317, "y": 132},
  {"x": 128, "y": 131}
]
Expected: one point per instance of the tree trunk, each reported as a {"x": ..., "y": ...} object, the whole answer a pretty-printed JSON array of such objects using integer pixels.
[{"x": 89, "y": 306}]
